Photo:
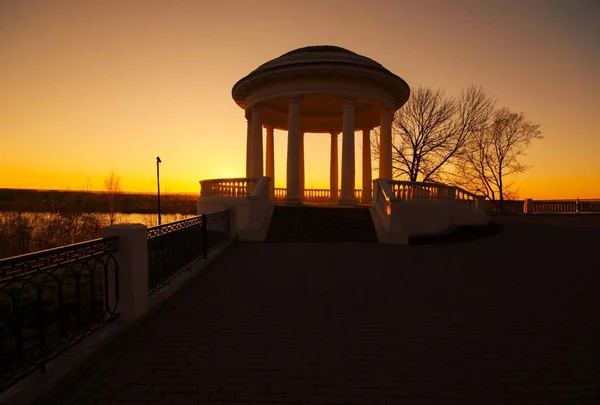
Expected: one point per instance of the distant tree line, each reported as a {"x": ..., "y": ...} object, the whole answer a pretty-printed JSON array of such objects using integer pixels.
[
  {"x": 67, "y": 201},
  {"x": 467, "y": 141}
]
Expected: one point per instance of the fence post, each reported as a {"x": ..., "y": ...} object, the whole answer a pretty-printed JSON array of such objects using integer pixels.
[
  {"x": 451, "y": 193},
  {"x": 480, "y": 204},
  {"x": 528, "y": 206},
  {"x": 577, "y": 206},
  {"x": 204, "y": 236},
  {"x": 132, "y": 257}
]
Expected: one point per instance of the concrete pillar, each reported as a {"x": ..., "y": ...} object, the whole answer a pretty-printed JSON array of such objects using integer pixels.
[
  {"x": 132, "y": 257},
  {"x": 348, "y": 165},
  {"x": 257, "y": 143},
  {"x": 528, "y": 206},
  {"x": 385, "y": 144},
  {"x": 293, "y": 153},
  {"x": 301, "y": 163},
  {"x": 481, "y": 204},
  {"x": 270, "y": 169},
  {"x": 249, "y": 144},
  {"x": 333, "y": 168},
  {"x": 366, "y": 167}
]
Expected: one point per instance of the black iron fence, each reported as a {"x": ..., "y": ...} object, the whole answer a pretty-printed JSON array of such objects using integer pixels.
[
  {"x": 175, "y": 247},
  {"x": 50, "y": 300}
]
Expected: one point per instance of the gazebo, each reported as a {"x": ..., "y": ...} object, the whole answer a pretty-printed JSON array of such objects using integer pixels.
[
  {"x": 330, "y": 90},
  {"x": 320, "y": 89}
]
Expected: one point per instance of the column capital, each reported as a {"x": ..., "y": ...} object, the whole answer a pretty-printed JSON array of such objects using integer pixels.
[
  {"x": 256, "y": 107},
  {"x": 269, "y": 127},
  {"x": 349, "y": 100},
  {"x": 334, "y": 133},
  {"x": 295, "y": 99}
]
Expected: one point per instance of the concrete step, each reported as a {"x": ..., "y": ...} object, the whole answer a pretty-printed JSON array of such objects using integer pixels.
[{"x": 307, "y": 224}]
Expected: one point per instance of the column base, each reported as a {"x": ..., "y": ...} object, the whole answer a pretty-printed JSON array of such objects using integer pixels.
[
  {"x": 348, "y": 201},
  {"x": 292, "y": 201}
]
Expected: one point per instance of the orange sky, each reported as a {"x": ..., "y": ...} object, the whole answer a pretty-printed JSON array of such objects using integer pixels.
[{"x": 90, "y": 86}]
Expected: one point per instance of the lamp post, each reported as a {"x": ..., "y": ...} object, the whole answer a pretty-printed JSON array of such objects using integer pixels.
[{"x": 158, "y": 161}]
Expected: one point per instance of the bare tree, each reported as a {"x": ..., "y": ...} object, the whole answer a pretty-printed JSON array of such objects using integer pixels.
[
  {"x": 112, "y": 188},
  {"x": 431, "y": 129},
  {"x": 490, "y": 159}
]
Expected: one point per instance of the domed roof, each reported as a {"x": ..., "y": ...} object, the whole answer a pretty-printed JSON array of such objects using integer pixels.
[
  {"x": 319, "y": 54},
  {"x": 315, "y": 61}
]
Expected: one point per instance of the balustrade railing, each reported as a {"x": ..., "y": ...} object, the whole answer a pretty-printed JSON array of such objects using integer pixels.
[
  {"x": 507, "y": 206},
  {"x": 228, "y": 188},
  {"x": 572, "y": 206},
  {"x": 175, "y": 247},
  {"x": 50, "y": 300},
  {"x": 412, "y": 190},
  {"x": 465, "y": 197},
  {"x": 311, "y": 194}
]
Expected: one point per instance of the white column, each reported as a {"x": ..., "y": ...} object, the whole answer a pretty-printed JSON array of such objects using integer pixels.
[
  {"x": 385, "y": 144},
  {"x": 257, "y": 143},
  {"x": 249, "y": 144},
  {"x": 301, "y": 164},
  {"x": 348, "y": 169},
  {"x": 293, "y": 153},
  {"x": 333, "y": 168},
  {"x": 270, "y": 169},
  {"x": 366, "y": 166}
]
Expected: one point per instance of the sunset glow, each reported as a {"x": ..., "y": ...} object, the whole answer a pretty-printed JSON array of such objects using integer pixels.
[{"x": 91, "y": 86}]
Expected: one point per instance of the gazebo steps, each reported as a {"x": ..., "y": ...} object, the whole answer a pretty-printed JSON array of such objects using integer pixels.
[{"x": 318, "y": 224}]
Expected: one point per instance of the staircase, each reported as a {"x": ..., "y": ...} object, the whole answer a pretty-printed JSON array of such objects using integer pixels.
[{"x": 308, "y": 224}]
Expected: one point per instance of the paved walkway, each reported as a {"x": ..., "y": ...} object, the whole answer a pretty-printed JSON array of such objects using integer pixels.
[{"x": 514, "y": 318}]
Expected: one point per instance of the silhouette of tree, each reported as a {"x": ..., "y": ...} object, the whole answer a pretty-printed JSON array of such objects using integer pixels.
[
  {"x": 431, "y": 129},
  {"x": 112, "y": 189},
  {"x": 491, "y": 157}
]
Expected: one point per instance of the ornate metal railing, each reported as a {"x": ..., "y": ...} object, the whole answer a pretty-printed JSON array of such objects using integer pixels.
[
  {"x": 175, "y": 247},
  {"x": 50, "y": 300}
]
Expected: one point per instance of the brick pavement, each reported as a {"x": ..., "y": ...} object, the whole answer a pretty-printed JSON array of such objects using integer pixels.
[{"x": 509, "y": 319}]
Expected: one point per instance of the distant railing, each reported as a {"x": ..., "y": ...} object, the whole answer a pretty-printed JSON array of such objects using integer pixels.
[
  {"x": 573, "y": 206},
  {"x": 175, "y": 247},
  {"x": 312, "y": 194},
  {"x": 50, "y": 300},
  {"x": 227, "y": 188},
  {"x": 507, "y": 206}
]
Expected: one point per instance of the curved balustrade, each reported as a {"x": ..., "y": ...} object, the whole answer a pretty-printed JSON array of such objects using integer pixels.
[
  {"x": 228, "y": 188},
  {"x": 413, "y": 190},
  {"x": 465, "y": 196}
]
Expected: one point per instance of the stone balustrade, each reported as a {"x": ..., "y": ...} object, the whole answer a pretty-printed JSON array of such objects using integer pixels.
[
  {"x": 314, "y": 194},
  {"x": 228, "y": 188}
]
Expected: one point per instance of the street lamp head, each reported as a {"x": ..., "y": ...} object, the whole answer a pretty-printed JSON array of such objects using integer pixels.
[{"x": 158, "y": 160}]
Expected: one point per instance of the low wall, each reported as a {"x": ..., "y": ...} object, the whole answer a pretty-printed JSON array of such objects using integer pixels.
[{"x": 430, "y": 217}]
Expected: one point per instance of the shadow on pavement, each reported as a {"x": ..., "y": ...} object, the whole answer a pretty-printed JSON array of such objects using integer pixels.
[{"x": 460, "y": 234}]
